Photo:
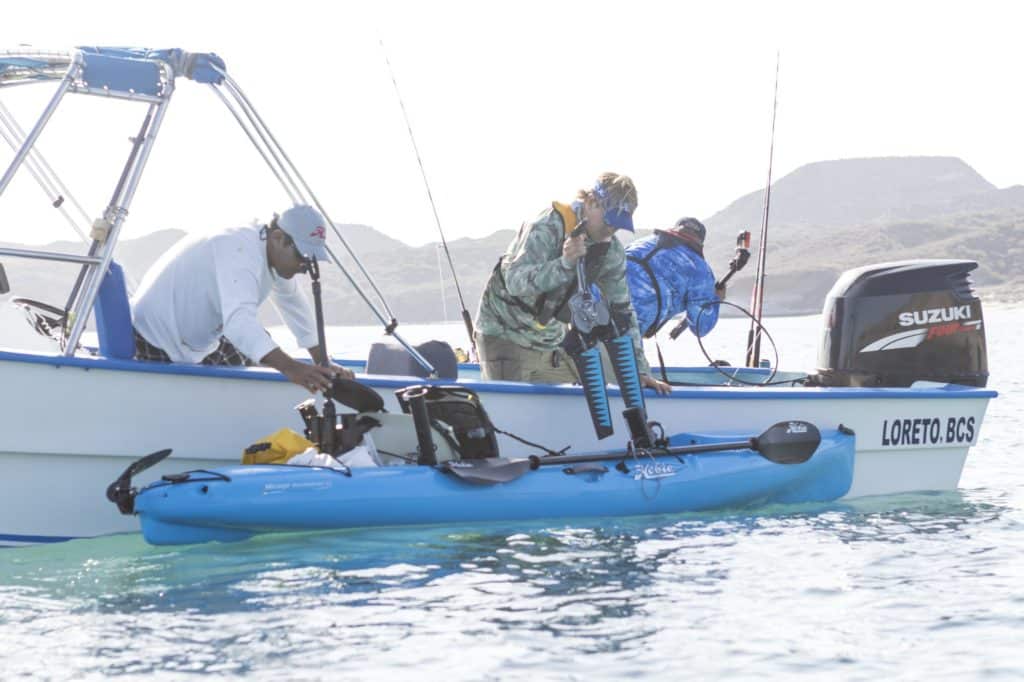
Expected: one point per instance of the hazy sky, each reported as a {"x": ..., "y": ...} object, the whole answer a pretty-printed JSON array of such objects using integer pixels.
[{"x": 518, "y": 103}]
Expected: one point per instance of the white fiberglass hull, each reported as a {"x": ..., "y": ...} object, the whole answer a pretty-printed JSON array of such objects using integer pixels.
[{"x": 71, "y": 426}]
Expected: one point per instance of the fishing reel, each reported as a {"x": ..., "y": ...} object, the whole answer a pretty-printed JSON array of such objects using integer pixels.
[
  {"x": 592, "y": 321},
  {"x": 739, "y": 259},
  {"x": 336, "y": 433},
  {"x": 311, "y": 267},
  {"x": 588, "y": 311}
]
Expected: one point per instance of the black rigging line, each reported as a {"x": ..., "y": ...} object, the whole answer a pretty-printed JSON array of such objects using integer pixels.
[
  {"x": 466, "y": 318},
  {"x": 757, "y": 296}
]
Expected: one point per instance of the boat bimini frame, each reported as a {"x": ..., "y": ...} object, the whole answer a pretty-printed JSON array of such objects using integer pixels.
[{"x": 148, "y": 76}]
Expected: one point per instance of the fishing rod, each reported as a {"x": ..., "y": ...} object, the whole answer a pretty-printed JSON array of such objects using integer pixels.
[
  {"x": 757, "y": 294},
  {"x": 466, "y": 318},
  {"x": 326, "y": 434},
  {"x": 299, "y": 191}
]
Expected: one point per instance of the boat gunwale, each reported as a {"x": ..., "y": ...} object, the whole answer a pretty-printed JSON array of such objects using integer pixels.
[{"x": 711, "y": 392}]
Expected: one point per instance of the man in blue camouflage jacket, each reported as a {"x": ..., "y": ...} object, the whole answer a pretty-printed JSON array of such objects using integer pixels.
[{"x": 668, "y": 275}]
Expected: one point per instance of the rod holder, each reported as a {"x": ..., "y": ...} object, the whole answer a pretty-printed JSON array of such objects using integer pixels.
[
  {"x": 416, "y": 398},
  {"x": 639, "y": 432}
]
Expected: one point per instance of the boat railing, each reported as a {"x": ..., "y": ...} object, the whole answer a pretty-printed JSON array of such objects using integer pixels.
[
  {"x": 50, "y": 255},
  {"x": 56, "y": 191},
  {"x": 147, "y": 76}
]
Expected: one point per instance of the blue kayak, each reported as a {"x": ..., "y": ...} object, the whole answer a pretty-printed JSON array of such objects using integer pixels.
[{"x": 236, "y": 502}]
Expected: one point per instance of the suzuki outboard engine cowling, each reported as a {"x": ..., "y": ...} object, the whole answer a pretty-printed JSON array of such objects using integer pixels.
[{"x": 896, "y": 323}]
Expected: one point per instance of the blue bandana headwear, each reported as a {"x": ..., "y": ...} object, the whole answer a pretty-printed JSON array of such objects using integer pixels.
[{"x": 619, "y": 216}]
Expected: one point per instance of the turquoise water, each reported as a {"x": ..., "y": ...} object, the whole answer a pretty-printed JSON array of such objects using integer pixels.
[{"x": 900, "y": 587}]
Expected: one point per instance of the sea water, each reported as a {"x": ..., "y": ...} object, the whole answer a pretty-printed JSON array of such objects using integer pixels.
[{"x": 909, "y": 587}]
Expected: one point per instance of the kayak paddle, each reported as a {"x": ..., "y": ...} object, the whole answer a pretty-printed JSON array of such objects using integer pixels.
[{"x": 788, "y": 442}]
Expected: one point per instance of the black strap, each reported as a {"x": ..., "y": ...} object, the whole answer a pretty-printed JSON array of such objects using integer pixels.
[
  {"x": 547, "y": 450},
  {"x": 661, "y": 361},
  {"x": 657, "y": 323},
  {"x": 666, "y": 240},
  {"x": 532, "y": 311},
  {"x": 535, "y": 310}
]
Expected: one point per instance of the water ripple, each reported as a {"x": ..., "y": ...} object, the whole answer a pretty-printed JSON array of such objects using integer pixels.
[{"x": 901, "y": 587}]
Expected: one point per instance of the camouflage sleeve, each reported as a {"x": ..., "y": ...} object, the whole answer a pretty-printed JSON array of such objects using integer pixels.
[
  {"x": 536, "y": 266},
  {"x": 614, "y": 287}
]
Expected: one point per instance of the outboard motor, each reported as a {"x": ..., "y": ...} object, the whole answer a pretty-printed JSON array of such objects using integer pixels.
[{"x": 892, "y": 324}]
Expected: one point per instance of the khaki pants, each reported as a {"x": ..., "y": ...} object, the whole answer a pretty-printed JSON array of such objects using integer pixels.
[{"x": 503, "y": 360}]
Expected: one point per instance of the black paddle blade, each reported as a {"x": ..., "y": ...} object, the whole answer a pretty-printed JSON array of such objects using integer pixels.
[
  {"x": 487, "y": 471},
  {"x": 356, "y": 396},
  {"x": 120, "y": 492},
  {"x": 790, "y": 442}
]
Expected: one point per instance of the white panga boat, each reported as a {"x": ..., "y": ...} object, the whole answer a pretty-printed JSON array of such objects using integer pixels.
[{"x": 902, "y": 360}]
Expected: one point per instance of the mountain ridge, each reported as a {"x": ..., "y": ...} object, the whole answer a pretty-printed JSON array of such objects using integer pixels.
[{"x": 826, "y": 217}]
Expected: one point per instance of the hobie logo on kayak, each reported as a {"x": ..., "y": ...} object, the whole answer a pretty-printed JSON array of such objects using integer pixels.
[
  {"x": 652, "y": 471},
  {"x": 796, "y": 427},
  {"x": 935, "y": 315}
]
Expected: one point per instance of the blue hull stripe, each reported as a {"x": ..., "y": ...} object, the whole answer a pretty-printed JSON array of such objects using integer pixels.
[
  {"x": 35, "y": 539},
  {"x": 711, "y": 393}
]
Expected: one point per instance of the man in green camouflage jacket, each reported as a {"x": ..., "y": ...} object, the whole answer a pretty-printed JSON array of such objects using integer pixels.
[{"x": 523, "y": 311}]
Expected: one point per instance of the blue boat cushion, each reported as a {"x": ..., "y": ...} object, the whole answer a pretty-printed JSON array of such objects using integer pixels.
[
  {"x": 114, "y": 316},
  {"x": 120, "y": 74},
  {"x": 392, "y": 359},
  {"x": 135, "y": 70}
]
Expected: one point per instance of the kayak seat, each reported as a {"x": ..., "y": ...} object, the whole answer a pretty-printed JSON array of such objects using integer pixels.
[
  {"x": 395, "y": 439},
  {"x": 393, "y": 359},
  {"x": 457, "y": 413},
  {"x": 114, "y": 316}
]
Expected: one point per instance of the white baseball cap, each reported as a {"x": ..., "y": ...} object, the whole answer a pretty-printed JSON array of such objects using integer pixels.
[{"x": 307, "y": 228}]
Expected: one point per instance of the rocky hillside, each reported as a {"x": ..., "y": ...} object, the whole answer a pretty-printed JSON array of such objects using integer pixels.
[
  {"x": 825, "y": 217},
  {"x": 829, "y": 216},
  {"x": 855, "y": 191}
]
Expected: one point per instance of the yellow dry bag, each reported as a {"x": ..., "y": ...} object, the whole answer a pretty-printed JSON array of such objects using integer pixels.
[{"x": 276, "y": 448}]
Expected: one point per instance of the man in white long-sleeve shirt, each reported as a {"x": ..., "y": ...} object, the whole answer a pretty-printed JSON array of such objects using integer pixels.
[{"x": 200, "y": 301}]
